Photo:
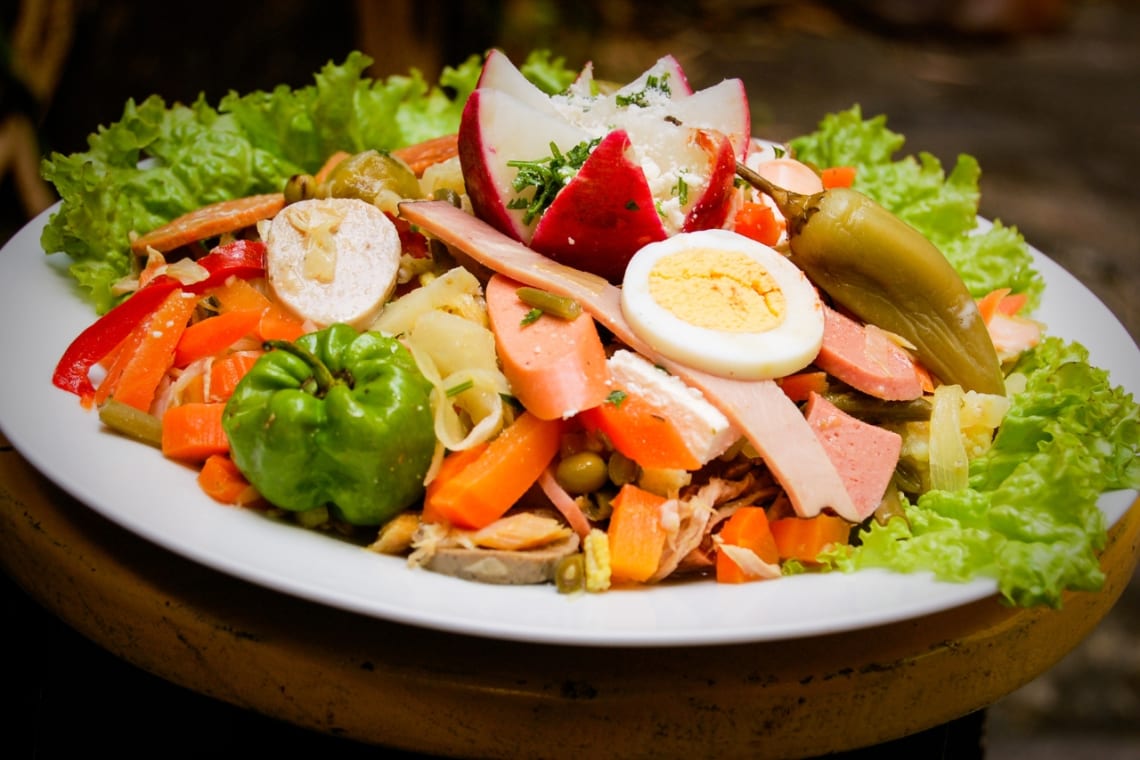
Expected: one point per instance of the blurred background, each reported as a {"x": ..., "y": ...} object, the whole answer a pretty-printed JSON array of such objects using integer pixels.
[{"x": 1045, "y": 94}]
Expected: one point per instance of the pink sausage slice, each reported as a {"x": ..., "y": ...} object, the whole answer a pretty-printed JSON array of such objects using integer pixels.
[
  {"x": 864, "y": 455},
  {"x": 867, "y": 359},
  {"x": 759, "y": 409}
]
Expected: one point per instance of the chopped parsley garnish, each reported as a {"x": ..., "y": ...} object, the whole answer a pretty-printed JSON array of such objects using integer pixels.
[
  {"x": 681, "y": 190},
  {"x": 531, "y": 317},
  {"x": 616, "y": 397},
  {"x": 547, "y": 176},
  {"x": 641, "y": 97}
]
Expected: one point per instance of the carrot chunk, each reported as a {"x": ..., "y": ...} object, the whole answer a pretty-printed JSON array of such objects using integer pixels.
[
  {"x": 748, "y": 528},
  {"x": 636, "y": 535},
  {"x": 805, "y": 538},
  {"x": 476, "y": 487},
  {"x": 194, "y": 432}
]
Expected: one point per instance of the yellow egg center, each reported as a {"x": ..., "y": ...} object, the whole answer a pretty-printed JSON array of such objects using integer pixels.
[{"x": 718, "y": 290}]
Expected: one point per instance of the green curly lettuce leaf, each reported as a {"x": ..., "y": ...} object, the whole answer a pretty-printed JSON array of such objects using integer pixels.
[
  {"x": 1030, "y": 517},
  {"x": 942, "y": 206},
  {"x": 252, "y": 143}
]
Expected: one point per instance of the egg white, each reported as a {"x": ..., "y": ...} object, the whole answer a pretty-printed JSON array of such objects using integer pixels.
[{"x": 751, "y": 355}]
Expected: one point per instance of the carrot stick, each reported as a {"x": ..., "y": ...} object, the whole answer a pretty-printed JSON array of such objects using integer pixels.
[
  {"x": 1000, "y": 301},
  {"x": 556, "y": 367},
  {"x": 210, "y": 221},
  {"x": 799, "y": 387},
  {"x": 838, "y": 176},
  {"x": 747, "y": 528},
  {"x": 276, "y": 322},
  {"x": 636, "y": 535},
  {"x": 147, "y": 353},
  {"x": 475, "y": 488},
  {"x": 239, "y": 295},
  {"x": 226, "y": 371},
  {"x": 421, "y": 155},
  {"x": 330, "y": 164},
  {"x": 804, "y": 538},
  {"x": 640, "y": 431},
  {"x": 193, "y": 432},
  {"x": 222, "y": 481},
  {"x": 215, "y": 334}
]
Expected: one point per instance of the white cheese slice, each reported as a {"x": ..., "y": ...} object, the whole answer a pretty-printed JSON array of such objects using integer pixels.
[{"x": 706, "y": 431}]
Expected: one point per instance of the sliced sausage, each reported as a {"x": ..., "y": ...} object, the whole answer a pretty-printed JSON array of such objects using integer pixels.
[
  {"x": 867, "y": 359},
  {"x": 865, "y": 455}
]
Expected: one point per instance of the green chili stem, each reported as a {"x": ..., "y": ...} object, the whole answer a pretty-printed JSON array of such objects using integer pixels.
[{"x": 796, "y": 207}]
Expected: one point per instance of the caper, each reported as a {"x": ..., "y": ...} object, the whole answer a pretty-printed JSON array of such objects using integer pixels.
[
  {"x": 907, "y": 476},
  {"x": 368, "y": 175},
  {"x": 598, "y": 505},
  {"x": 621, "y": 469},
  {"x": 582, "y": 472},
  {"x": 300, "y": 187},
  {"x": 449, "y": 195}
]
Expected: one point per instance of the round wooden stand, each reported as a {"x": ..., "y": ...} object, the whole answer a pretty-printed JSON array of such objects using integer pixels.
[{"x": 404, "y": 687}]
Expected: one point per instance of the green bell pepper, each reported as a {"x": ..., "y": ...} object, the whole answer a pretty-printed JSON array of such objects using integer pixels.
[{"x": 339, "y": 419}]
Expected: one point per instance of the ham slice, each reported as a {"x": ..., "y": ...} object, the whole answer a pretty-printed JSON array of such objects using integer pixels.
[{"x": 771, "y": 422}]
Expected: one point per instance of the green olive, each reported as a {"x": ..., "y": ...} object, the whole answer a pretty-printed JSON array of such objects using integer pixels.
[
  {"x": 367, "y": 175},
  {"x": 570, "y": 574},
  {"x": 582, "y": 472},
  {"x": 300, "y": 187},
  {"x": 890, "y": 275}
]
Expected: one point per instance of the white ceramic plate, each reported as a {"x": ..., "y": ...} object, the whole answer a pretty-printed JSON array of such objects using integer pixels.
[{"x": 136, "y": 487}]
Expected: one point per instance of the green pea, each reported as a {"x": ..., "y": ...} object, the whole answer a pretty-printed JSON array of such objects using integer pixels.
[{"x": 582, "y": 472}]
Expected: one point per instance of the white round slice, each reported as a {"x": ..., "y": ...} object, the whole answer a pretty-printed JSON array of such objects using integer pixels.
[{"x": 333, "y": 260}]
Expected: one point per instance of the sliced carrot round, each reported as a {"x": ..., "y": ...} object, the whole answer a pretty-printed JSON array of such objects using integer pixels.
[{"x": 210, "y": 221}]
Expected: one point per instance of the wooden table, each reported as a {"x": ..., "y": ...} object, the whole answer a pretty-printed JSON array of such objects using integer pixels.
[{"x": 426, "y": 691}]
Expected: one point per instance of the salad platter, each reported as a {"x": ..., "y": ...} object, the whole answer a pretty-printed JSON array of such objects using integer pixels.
[
  {"x": 157, "y": 499},
  {"x": 156, "y": 496}
]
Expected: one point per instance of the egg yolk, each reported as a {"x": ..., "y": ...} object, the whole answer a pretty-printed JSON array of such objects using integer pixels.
[{"x": 719, "y": 290}]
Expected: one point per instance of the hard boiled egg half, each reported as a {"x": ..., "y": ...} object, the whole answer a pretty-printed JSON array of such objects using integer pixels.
[{"x": 723, "y": 303}]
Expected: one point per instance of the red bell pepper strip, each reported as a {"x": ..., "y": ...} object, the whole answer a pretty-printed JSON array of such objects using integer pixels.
[{"x": 241, "y": 258}]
